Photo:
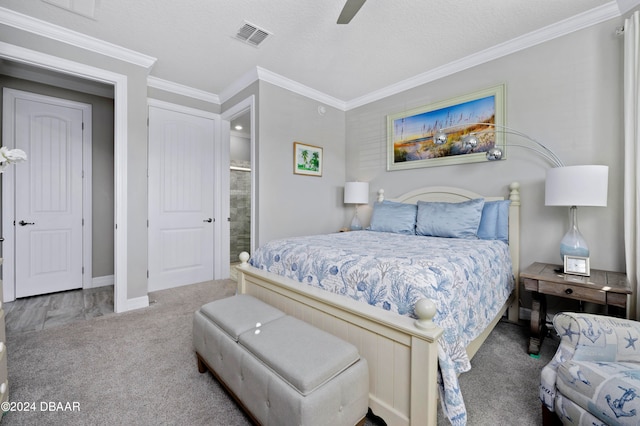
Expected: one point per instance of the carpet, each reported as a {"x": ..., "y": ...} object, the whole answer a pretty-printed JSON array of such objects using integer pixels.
[{"x": 139, "y": 368}]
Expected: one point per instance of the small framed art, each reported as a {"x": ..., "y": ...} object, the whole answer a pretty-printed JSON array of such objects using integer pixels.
[
  {"x": 576, "y": 265},
  {"x": 307, "y": 159}
]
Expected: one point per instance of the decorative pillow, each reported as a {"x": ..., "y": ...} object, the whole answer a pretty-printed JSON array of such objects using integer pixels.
[
  {"x": 389, "y": 216},
  {"x": 494, "y": 223},
  {"x": 452, "y": 220}
]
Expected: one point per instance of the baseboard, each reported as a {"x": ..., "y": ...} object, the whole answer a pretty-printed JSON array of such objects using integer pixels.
[
  {"x": 137, "y": 303},
  {"x": 101, "y": 281}
]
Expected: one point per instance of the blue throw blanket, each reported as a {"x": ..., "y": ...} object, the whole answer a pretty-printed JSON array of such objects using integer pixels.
[{"x": 469, "y": 280}]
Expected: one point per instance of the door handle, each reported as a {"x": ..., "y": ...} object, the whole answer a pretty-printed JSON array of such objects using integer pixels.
[
  {"x": 23, "y": 223},
  {"x": 208, "y": 220}
]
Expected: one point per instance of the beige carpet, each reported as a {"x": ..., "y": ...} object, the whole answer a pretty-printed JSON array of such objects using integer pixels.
[
  {"x": 136, "y": 368},
  {"x": 139, "y": 368}
]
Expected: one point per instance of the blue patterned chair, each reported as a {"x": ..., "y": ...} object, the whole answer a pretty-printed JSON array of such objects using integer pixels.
[{"x": 594, "y": 377}]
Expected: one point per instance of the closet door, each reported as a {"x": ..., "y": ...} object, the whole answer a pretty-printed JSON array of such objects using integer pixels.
[
  {"x": 49, "y": 195},
  {"x": 181, "y": 206}
]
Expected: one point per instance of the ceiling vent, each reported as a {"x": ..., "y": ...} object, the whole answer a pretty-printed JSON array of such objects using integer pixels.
[{"x": 252, "y": 34}]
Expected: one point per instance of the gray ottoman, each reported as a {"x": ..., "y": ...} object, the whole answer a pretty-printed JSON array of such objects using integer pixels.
[{"x": 283, "y": 371}]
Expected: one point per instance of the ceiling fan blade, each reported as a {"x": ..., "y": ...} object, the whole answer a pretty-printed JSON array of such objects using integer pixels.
[{"x": 351, "y": 7}]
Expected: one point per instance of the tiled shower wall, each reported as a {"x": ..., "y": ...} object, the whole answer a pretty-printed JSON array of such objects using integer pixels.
[{"x": 240, "y": 210}]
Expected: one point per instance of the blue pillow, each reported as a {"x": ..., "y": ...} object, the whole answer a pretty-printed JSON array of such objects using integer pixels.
[
  {"x": 389, "y": 216},
  {"x": 494, "y": 224},
  {"x": 451, "y": 220}
]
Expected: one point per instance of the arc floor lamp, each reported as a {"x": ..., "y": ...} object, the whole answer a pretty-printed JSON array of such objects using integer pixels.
[{"x": 569, "y": 186}]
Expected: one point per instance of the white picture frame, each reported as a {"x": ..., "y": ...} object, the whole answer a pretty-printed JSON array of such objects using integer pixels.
[{"x": 577, "y": 265}]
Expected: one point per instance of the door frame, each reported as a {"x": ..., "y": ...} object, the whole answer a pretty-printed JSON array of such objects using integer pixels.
[
  {"x": 121, "y": 302},
  {"x": 242, "y": 107},
  {"x": 8, "y": 186}
]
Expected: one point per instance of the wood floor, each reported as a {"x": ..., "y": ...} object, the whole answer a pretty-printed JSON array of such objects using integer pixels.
[
  {"x": 36, "y": 313},
  {"x": 49, "y": 310}
]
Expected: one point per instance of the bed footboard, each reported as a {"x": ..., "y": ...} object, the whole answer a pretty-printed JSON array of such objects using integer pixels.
[{"x": 402, "y": 353}]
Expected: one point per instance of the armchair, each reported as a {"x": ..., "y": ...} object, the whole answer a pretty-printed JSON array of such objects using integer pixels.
[{"x": 594, "y": 377}]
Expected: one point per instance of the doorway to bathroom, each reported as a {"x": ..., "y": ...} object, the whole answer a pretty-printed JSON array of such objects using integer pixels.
[{"x": 240, "y": 177}]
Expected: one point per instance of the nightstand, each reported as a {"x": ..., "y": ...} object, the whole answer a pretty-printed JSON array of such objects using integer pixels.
[{"x": 602, "y": 287}]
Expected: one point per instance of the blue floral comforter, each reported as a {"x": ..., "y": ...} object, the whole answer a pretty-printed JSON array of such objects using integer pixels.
[{"x": 469, "y": 280}]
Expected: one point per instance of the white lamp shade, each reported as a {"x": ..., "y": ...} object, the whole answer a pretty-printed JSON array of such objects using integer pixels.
[
  {"x": 356, "y": 193},
  {"x": 577, "y": 186}
]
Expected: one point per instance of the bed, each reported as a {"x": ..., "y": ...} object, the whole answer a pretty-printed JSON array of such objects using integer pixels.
[{"x": 402, "y": 348}]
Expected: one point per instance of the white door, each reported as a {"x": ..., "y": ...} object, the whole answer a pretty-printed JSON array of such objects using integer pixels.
[
  {"x": 48, "y": 198},
  {"x": 181, "y": 177}
]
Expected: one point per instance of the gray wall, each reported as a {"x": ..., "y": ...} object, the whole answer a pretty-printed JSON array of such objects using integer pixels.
[
  {"x": 567, "y": 94},
  {"x": 102, "y": 166},
  {"x": 289, "y": 204},
  {"x": 136, "y": 131}
]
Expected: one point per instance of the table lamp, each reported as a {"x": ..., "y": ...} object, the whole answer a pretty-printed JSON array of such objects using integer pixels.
[
  {"x": 575, "y": 186},
  {"x": 356, "y": 193}
]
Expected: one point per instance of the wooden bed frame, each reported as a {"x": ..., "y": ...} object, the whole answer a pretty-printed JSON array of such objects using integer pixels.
[{"x": 402, "y": 353}]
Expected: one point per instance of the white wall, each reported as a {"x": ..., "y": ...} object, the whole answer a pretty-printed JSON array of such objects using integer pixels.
[{"x": 566, "y": 93}]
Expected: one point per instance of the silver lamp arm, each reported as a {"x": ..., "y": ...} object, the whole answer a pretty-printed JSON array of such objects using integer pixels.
[{"x": 495, "y": 153}]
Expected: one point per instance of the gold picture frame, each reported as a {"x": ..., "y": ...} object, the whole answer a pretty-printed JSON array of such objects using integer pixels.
[{"x": 307, "y": 159}]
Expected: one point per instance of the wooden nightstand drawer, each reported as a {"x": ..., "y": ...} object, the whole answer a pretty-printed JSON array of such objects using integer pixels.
[
  {"x": 617, "y": 299},
  {"x": 573, "y": 292}
]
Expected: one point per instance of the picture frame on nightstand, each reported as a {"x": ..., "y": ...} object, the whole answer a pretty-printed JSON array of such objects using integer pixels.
[{"x": 577, "y": 265}]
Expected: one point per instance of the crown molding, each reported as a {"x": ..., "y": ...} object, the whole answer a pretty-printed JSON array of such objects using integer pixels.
[
  {"x": 262, "y": 74},
  {"x": 183, "y": 90},
  {"x": 301, "y": 89},
  {"x": 575, "y": 23},
  {"x": 589, "y": 18},
  {"x": 83, "y": 41},
  {"x": 238, "y": 85},
  {"x": 592, "y": 17}
]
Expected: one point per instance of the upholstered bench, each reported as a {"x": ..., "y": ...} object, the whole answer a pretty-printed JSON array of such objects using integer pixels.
[{"x": 283, "y": 371}]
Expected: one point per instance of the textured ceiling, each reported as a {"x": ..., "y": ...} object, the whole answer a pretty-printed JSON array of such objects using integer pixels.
[{"x": 386, "y": 42}]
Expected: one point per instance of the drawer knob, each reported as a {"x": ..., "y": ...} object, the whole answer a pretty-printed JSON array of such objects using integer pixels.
[{"x": 569, "y": 291}]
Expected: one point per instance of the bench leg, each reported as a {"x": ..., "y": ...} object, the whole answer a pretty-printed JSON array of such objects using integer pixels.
[
  {"x": 202, "y": 367},
  {"x": 549, "y": 418}
]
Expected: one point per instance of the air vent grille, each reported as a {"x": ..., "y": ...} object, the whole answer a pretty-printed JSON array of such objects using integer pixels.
[{"x": 252, "y": 34}]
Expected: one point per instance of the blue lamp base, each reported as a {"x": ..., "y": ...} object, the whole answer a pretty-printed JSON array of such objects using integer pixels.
[
  {"x": 573, "y": 243},
  {"x": 355, "y": 223}
]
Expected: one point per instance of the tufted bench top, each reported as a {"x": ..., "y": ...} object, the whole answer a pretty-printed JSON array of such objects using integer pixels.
[
  {"x": 302, "y": 355},
  {"x": 283, "y": 371},
  {"x": 239, "y": 313}
]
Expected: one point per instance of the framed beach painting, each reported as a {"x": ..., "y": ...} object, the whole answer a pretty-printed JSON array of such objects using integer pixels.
[
  {"x": 307, "y": 159},
  {"x": 410, "y": 133}
]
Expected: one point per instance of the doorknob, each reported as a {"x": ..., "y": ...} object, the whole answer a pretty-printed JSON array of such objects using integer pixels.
[
  {"x": 208, "y": 220},
  {"x": 23, "y": 223}
]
